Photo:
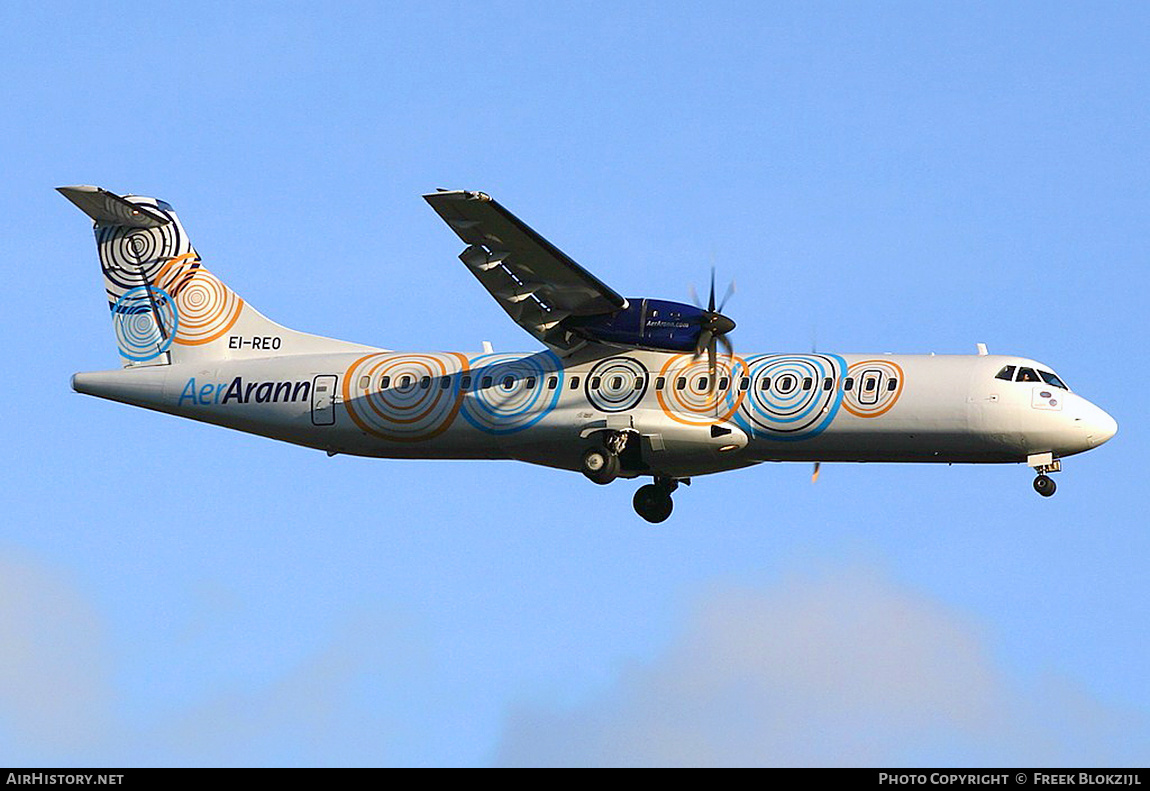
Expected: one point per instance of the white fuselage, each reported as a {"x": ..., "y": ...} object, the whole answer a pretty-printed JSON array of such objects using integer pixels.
[{"x": 544, "y": 409}]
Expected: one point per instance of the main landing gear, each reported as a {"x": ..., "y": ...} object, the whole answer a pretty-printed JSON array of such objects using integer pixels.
[
  {"x": 1042, "y": 464},
  {"x": 653, "y": 500},
  {"x": 601, "y": 463}
]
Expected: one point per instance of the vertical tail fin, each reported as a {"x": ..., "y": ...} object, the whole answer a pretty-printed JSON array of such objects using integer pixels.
[{"x": 166, "y": 306}]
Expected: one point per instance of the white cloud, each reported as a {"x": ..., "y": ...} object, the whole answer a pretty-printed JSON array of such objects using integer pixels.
[
  {"x": 54, "y": 686},
  {"x": 848, "y": 669},
  {"x": 59, "y": 702},
  {"x": 310, "y": 715}
]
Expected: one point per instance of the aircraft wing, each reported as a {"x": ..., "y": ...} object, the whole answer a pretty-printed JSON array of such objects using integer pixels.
[{"x": 530, "y": 278}]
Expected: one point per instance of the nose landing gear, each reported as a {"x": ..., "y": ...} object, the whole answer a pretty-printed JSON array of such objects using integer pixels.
[
  {"x": 653, "y": 500},
  {"x": 1042, "y": 464}
]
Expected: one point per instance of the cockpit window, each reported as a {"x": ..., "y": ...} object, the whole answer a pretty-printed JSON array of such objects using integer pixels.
[
  {"x": 1026, "y": 375},
  {"x": 1006, "y": 373},
  {"x": 1051, "y": 379}
]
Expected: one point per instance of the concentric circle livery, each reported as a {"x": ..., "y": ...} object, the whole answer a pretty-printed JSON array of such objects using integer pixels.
[
  {"x": 133, "y": 316},
  {"x": 875, "y": 387},
  {"x": 132, "y": 256},
  {"x": 511, "y": 392},
  {"x": 696, "y": 402},
  {"x": 791, "y": 396},
  {"x": 616, "y": 384},
  {"x": 206, "y": 306},
  {"x": 405, "y": 397}
]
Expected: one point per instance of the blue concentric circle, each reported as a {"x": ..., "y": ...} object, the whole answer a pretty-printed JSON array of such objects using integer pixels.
[
  {"x": 137, "y": 316},
  {"x": 509, "y": 392},
  {"x": 789, "y": 398}
]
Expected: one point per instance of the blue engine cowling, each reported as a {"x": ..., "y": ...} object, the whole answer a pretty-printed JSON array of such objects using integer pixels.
[{"x": 645, "y": 323}]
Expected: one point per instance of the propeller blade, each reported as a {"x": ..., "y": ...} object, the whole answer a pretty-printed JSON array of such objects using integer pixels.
[
  {"x": 730, "y": 293},
  {"x": 728, "y": 347},
  {"x": 711, "y": 301},
  {"x": 815, "y": 474},
  {"x": 695, "y": 298},
  {"x": 712, "y": 372},
  {"x": 703, "y": 343}
]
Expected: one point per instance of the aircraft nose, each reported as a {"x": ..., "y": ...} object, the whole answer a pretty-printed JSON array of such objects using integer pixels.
[
  {"x": 1107, "y": 427},
  {"x": 1099, "y": 425}
]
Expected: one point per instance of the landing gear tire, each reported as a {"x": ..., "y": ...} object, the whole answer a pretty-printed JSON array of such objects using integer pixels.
[
  {"x": 1044, "y": 485},
  {"x": 653, "y": 502},
  {"x": 600, "y": 465}
]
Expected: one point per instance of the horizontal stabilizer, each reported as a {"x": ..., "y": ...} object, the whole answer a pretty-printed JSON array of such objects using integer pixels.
[{"x": 107, "y": 208}]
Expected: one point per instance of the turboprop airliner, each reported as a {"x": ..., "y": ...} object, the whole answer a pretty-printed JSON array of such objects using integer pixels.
[{"x": 623, "y": 388}]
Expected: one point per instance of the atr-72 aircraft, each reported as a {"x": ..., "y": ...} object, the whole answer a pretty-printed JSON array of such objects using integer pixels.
[{"x": 626, "y": 388}]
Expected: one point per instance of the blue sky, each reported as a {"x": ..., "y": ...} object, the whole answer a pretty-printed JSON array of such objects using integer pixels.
[{"x": 877, "y": 177}]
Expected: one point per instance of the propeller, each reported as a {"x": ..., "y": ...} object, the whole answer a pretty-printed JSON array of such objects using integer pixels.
[{"x": 714, "y": 326}]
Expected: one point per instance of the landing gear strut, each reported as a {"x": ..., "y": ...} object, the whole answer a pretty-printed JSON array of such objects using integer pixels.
[{"x": 653, "y": 501}]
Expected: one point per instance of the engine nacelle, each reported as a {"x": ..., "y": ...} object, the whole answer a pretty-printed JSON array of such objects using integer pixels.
[{"x": 646, "y": 324}]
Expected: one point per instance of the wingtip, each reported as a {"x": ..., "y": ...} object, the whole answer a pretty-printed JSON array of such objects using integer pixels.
[{"x": 77, "y": 188}]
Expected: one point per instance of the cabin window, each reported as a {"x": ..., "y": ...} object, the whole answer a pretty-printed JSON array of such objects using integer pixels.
[
  {"x": 552, "y": 382},
  {"x": 425, "y": 383},
  {"x": 616, "y": 382},
  {"x": 404, "y": 381},
  {"x": 765, "y": 383},
  {"x": 639, "y": 382},
  {"x": 465, "y": 383},
  {"x": 444, "y": 382},
  {"x": 1006, "y": 373},
  {"x": 869, "y": 384},
  {"x": 891, "y": 384},
  {"x": 384, "y": 382},
  {"x": 828, "y": 383},
  {"x": 485, "y": 382},
  {"x": 808, "y": 383},
  {"x": 701, "y": 383},
  {"x": 508, "y": 382},
  {"x": 1051, "y": 379},
  {"x": 531, "y": 383},
  {"x": 660, "y": 382},
  {"x": 595, "y": 382},
  {"x": 745, "y": 383},
  {"x": 1026, "y": 375},
  {"x": 786, "y": 384},
  {"x": 574, "y": 382},
  {"x": 724, "y": 382},
  {"x": 848, "y": 383},
  {"x": 680, "y": 383},
  {"x": 364, "y": 382}
]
